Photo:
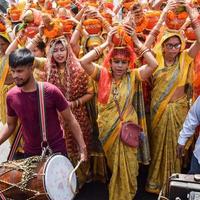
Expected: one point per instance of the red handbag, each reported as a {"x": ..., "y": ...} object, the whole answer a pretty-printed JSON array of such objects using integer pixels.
[{"x": 130, "y": 134}]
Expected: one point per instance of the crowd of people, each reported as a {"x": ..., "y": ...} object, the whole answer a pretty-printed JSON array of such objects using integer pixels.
[{"x": 104, "y": 64}]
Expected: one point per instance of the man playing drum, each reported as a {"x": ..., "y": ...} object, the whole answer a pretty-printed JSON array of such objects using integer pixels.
[{"x": 22, "y": 103}]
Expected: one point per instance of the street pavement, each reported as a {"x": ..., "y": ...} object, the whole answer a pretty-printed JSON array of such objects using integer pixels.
[
  {"x": 4, "y": 148},
  {"x": 99, "y": 191}
]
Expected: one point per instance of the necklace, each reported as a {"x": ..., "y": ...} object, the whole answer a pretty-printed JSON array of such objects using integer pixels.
[
  {"x": 174, "y": 62},
  {"x": 115, "y": 90},
  {"x": 61, "y": 72}
]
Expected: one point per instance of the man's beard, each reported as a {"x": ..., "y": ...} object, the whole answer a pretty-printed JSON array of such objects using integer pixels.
[{"x": 23, "y": 83}]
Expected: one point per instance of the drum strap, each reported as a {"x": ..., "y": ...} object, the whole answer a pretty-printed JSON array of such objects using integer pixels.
[
  {"x": 42, "y": 111},
  {"x": 15, "y": 144},
  {"x": 2, "y": 196},
  {"x": 42, "y": 117}
]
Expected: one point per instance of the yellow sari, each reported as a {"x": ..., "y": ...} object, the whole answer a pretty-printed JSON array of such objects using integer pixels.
[
  {"x": 4, "y": 69},
  {"x": 4, "y": 73},
  {"x": 122, "y": 160},
  {"x": 3, "y": 93},
  {"x": 166, "y": 117}
]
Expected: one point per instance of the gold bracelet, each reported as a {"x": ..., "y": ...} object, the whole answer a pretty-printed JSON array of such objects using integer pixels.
[
  {"x": 146, "y": 50},
  {"x": 8, "y": 30},
  {"x": 155, "y": 33},
  {"x": 98, "y": 50},
  {"x": 195, "y": 23},
  {"x": 78, "y": 27},
  {"x": 79, "y": 102},
  {"x": 141, "y": 49},
  {"x": 106, "y": 24},
  {"x": 94, "y": 73}
]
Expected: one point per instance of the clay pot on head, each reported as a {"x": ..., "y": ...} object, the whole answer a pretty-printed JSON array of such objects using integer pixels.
[
  {"x": 63, "y": 3},
  {"x": 68, "y": 25},
  {"x": 121, "y": 38},
  {"x": 2, "y": 25},
  {"x": 189, "y": 33},
  {"x": 15, "y": 14},
  {"x": 176, "y": 18},
  {"x": 31, "y": 30},
  {"x": 107, "y": 16},
  {"x": 93, "y": 26},
  {"x": 152, "y": 18}
]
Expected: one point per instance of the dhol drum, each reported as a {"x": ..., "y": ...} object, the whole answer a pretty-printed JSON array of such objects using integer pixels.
[{"x": 36, "y": 178}]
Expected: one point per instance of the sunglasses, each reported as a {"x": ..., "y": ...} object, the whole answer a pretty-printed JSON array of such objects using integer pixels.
[{"x": 171, "y": 46}]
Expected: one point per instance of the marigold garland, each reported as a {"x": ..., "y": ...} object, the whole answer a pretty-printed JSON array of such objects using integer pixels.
[
  {"x": 2, "y": 27},
  {"x": 122, "y": 38}
]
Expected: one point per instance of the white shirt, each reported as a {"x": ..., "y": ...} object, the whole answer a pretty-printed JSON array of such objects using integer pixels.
[{"x": 191, "y": 122}]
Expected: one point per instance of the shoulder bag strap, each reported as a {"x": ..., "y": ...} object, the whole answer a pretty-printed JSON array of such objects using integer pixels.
[{"x": 117, "y": 103}]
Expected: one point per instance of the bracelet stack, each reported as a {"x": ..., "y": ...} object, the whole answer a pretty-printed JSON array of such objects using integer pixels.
[
  {"x": 155, "y": 33},
  {"x": 143, "y": 49},
  {"x": 98, "y": 50},
  {"x": 106, "y": 24},
  {"x": 195, "y": 23},
  {"x": 79, "y": 27},
  {"x": 78, "y": 103}
]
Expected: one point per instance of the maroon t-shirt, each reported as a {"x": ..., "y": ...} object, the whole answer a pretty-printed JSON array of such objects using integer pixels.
[{"x": 24, "y": 105}]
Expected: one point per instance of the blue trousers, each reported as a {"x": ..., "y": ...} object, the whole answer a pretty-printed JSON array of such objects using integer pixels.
[{"x": 194, "y": 166}]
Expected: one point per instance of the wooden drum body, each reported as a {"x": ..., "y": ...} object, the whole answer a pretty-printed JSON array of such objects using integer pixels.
[{"x": 37, "y": 178}]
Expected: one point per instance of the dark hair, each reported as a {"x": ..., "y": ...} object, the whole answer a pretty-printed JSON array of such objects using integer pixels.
[
  {"x": 176, "y": 36},
  {"x": 4, "y": 39},
  {"x": 124, "y": 9},
  {"x": 41, "y": 45},
  {"x": 74, "y": 9},
  {"x": 21, "y": 57}
]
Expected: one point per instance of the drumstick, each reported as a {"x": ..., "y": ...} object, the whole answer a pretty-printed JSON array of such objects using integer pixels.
[{"x": 71, "y": 174}]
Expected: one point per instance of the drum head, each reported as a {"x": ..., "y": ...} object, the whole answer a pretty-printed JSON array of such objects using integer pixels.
[{"x": 57, "y": 171}]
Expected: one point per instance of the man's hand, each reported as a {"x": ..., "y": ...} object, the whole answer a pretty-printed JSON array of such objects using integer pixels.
[
  {"x": 83, "y": 153},
  {"x": 180, "y": 150}
]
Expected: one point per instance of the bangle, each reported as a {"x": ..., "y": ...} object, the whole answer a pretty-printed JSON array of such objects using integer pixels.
[
  {"x": 9, "y": 30},
  {"x": 141, "y": 49},
  {"x": 155, "y": 33},
  {"x": 146, "y": 50},
  {"x": 94, "y": 73},
  {"x": 106, "y": 24},
  {"x": 79, "y": 102},
  {"x": 98, "y": 50},
  {"x": 195, "y": 23},
  {"x": 78, "y": 27}
]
